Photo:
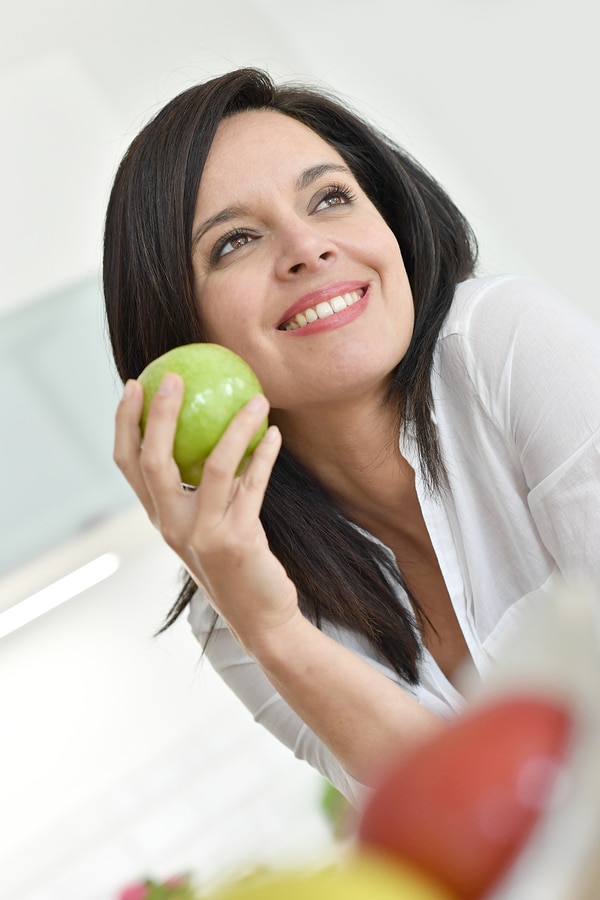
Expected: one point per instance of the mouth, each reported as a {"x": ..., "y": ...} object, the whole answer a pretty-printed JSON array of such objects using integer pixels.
[{"x": 322, "y": 310}]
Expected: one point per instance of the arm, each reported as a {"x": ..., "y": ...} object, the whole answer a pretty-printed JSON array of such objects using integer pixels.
[
  {"x": 242, "y": 674},
  {"x": 248, "y": 682},
  {"x": 362, "y": 716},
  {"x": 358, "y": 713}
]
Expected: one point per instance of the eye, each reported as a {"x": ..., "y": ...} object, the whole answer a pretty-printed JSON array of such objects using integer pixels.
[
  {"x": 227, "y": 243},
  {"x": 335, "y": 195}
]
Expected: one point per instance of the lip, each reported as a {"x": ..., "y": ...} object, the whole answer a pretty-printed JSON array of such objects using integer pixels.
[{"x": 319, "y": 296}]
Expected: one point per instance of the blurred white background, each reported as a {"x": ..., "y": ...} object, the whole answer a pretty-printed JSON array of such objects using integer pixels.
[{"x": 120, "y": 755}]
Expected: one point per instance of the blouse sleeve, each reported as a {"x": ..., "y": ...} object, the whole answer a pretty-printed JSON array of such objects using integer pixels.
[
  {"x": 547, "y": 354},
  {"x": 247, "y": 680}
]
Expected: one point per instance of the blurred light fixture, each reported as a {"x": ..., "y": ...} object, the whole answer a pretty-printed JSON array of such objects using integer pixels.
[{"x": 59, "y": 592}]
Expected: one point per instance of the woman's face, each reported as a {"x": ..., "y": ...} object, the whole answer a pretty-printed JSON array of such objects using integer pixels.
[{"x": 294, "y": 268}]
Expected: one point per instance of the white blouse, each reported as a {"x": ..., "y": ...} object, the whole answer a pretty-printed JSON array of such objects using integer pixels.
[{"x": 516, "y": 387}]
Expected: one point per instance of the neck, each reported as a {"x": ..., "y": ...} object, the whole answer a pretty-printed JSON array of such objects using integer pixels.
[{"x": 352, "y": 450}]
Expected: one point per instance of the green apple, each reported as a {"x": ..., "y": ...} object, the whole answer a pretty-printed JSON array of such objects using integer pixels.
[{"x": 217, "y": 383}]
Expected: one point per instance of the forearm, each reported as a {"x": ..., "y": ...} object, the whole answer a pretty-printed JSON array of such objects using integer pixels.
[{"x": 361, "y": 715}]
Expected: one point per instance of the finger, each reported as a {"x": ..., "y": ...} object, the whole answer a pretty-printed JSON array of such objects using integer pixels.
[
  {"x": 157, "y": 465},
  {"x": 126, "y": 450},
  {"x": 219, "y": 472},
  {"x": 250, "y": 494}
]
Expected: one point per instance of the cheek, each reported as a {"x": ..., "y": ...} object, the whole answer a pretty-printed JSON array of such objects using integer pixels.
[
  {"x": 227, "y": 318},
  {"x": 379, "y": 242},
  {"x": 216, "y": 304}
]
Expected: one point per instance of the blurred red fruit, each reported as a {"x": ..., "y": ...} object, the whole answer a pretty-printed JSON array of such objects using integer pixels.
[{"x": 462, "y": 806}]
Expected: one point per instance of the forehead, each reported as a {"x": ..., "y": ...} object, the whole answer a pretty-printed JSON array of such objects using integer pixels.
[{"x": 262, "y": 141}]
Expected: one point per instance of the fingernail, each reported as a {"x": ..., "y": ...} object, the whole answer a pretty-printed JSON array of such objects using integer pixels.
[
  {"x": 271, "y": 434},
  {"x": 128, "y": 389},
  {"x": 168, "y": 383},
  {"x": 256, "y": 403}
]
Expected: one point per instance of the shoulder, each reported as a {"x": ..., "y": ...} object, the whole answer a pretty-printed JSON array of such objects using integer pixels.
[
  {"x": 482, "y": 305},
  {"x": 509, "y": 343},
  {"x": 499, "y": 318}
]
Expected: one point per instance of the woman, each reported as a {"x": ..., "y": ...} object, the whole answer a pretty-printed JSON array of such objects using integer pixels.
[{"x": 432, "y": 464}]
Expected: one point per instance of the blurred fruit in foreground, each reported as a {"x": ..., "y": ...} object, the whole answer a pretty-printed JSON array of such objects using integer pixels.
[
  {"x": 360, "y": 878},
  {"x": 462, "y": 807},
  {"x": 178, "y": 887}
]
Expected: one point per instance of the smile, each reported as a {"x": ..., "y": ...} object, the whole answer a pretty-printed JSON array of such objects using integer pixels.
[{"x": 322, "y": 310}]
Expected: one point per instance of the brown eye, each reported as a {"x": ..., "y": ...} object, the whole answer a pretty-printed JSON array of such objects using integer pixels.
[
  {"x": 229, "y": 242},
  {"x": 336, "y": 195}
]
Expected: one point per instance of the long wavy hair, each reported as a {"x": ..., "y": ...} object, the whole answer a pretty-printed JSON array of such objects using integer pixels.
[{"x": 151, "y": 307}]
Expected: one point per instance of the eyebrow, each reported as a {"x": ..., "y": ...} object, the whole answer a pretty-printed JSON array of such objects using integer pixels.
[
  {"x": 307, "y": 177},
  {"x": 304, "y": 180},
  {"x": 220, "y": 218}
]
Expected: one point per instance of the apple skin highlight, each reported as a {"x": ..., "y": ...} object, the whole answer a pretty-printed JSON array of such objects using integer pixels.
[{"x": 217, "y": 384}]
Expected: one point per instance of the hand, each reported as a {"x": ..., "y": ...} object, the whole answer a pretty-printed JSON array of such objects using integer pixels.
[{"x": 215, "y": 530}]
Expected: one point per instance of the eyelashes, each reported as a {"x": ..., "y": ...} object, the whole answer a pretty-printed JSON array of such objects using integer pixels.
[{"x": 337, "y": 191}]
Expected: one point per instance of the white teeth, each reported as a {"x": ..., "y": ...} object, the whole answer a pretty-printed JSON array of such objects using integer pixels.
[{"x": 323, "y": 310}]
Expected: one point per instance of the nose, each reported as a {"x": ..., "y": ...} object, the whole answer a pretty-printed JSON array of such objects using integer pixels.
[{"x": 303, "y": 248}]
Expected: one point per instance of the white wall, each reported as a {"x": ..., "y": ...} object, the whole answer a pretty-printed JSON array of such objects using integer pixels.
[{"x": 499, "y": 99}]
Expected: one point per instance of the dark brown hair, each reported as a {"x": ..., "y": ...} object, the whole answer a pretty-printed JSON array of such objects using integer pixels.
[{"x": 151, "y": 307}]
